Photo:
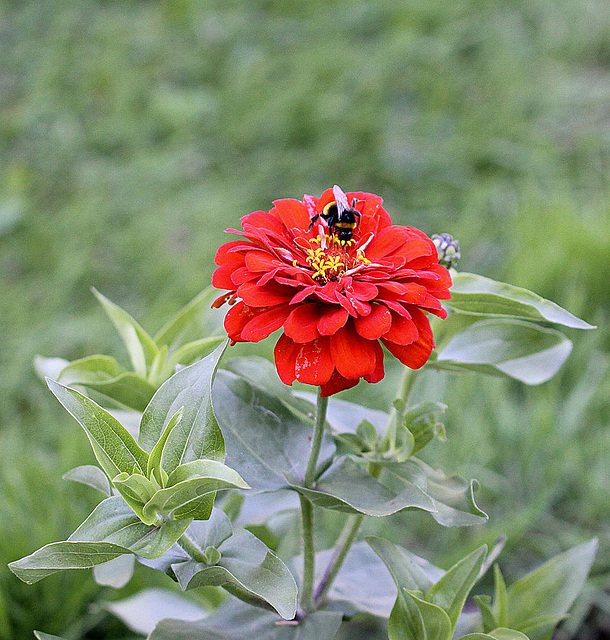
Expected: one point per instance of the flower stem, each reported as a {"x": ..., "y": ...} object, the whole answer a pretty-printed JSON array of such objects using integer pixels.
[
  {"x": 310, "y": 472},
  {"x": 342, "y": 546},
  {"x": 309, "y": 553},
  {"x": 398, "y": 408}
]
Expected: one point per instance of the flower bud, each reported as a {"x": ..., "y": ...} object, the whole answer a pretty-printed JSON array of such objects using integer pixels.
[{"x": 448, "y": 249}]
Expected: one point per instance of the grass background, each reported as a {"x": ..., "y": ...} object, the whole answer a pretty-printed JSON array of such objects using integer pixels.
[{"x": 133, "y": 132}]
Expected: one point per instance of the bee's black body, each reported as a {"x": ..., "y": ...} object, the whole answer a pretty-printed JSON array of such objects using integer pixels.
[{"x": 341, "y": 218}]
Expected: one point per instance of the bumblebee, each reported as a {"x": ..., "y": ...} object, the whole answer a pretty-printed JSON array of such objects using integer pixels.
[{"x": 340, "y": 218}]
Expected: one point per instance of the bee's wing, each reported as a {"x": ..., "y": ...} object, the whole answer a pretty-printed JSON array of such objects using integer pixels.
[{"x": 340, "y": 199}]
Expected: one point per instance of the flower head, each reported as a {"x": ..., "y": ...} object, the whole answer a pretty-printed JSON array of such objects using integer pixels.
[{"x": 337, "y": 296}]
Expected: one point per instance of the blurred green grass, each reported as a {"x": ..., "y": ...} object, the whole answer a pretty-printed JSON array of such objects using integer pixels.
[{"x": 134, "y": 132}]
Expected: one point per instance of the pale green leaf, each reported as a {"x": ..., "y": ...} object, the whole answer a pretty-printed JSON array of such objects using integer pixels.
[
  {"x": 477, "y": 295},
  {"x": 197, "y": 435},
  {"x": 347, "y": 487},
  {"x": 140, "y": 346},
  {"x": 544, "y": 596},
  {"x": 190, "y": 490},
  {"x": 46, "y": 636},
  {"x": 451, "y": 591},
  {"x": 115, "y": 573},
  {"x": 234, "y": 620},
  {"x": 154, "y": 459},
  {"x": 90, "y": 475},
  {"x": 137, "y": 490},
  {"x": 435, "y": 621},
  {"x": 518, "y": 349},
  {"x": 114, "y": 447}
]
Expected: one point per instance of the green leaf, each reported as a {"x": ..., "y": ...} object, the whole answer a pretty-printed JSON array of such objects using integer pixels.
[
  {"x": 246, "y": 567},
  {"x": 140, "y": 346},
  {"x": 347, "y": 487},
  {"x": 422, "y": 421},
  {"x": 189, "y": 318},
  {"x": 500, "y": 605},
  {"x": 197, "y": 435},
  {"x": 477, "y": 295},
  {"x": 541, "y": 598},
  {"x": 114, "y": 447},
  {"x": 46, "y": 636},
  {"x": 191, "y": 489},
  {"x": 487, "y": 615},
  {"x": 497, "y": 634},
  {"x": 115, "y": 573},
  {"x": 452, "y": 496},
  {"x": 114, "y": 521},
  {"x": 265, "y": 440},
  {"x": 154, "y": 460},
  {"x": 435, "y": 622},
  {"x": 144, "y": 610},
  {"x": 136, "y": 490},
  {"x": 234, "y": 620},
  {"x": 157, "y": 372},
  {"x": 405, "y": 570},
  {"x": 90, "y": 475},
  {"x": 451, "y": 591},
  {"x": 192, "y": 351},
  {"x": 520, "y": 350}
]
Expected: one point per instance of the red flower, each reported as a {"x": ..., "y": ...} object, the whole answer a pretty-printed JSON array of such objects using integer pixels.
[{"x": 334, "y": 299}]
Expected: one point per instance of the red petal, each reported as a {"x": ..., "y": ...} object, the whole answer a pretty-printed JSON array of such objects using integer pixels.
[
  {"x": 375, "y": 324},
  {"x": 386, "y": 242},
  {"x": 364, "y": 290},
  {"x": 265, "y": 220},
  {"x": 402, "y": 331},
  {"x": 221, "y": 278},
  {"x": 304, "y": 293},
  {"x": 268, "y": 295},
  {"x": 261, "y": 261},
  {"x": 225, "y": 254},
  {"x": 414, "y": 355},
  {"x": 236, "y": 319},
  {"x": 285, "y": 353},
  {"x": 293, "y": 213},
  {"x": 302, "y": 323},
  {"x": 353, "y": 356},
  {"x": 313, "y": 362},
  {"x": 337, "y": 383},
  {"x": 332, "y": 319},
  {"x": 378, "y": 373},
  {"x": 265, "y": 323}
]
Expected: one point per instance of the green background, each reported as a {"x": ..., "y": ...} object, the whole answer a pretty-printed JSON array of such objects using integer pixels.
[{"x": 134, "y": 132}]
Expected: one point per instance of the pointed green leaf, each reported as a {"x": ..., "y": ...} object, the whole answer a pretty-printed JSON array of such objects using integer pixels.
[
  {"x": 422, "y": 421},
  {"x": 520, "y": 350},
  {"x": 406, "y": 572},
  {"x": 436, "y": 623},
  {"x": 451, "y": 591},
  {"x": 192, "y": 351},
  {"x": 265, "y": 440},
  {"x": 234, "y": 620},
  {"x": 477, "y": 295},
  {"x": 500, "y": 600},
  {"x": 154, "y": 460},
  {"x": 156, "y": 373},
  {"x": 487, "y": 615},
  {"x": 453, "y": 497},
  {"x": 46, "y": 636},
  {"x": 190, "y": 490},
  {"x": 247, "y": 568},
  {"x": 544, "y": 596},
  {"x": 197, "y": 435},
  {"x": 140, "y": 346},
  {"x": 115, "y": 573},
  {"x": 90, "y": 475},
  {"x": 114, "y": 447},
  {"x": 507, "y": 634},
  {"x": 136, "y": 490},
  {"x": 347, "y": 487},
  {"x": 176, "y": 331}
]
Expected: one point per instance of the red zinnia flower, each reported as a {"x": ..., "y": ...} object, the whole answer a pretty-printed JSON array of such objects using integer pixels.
[{"x": 335, "y": 298}]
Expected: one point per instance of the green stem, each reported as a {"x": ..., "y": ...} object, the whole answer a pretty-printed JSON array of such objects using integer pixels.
[
  {"x": 309, "y": 553},
  {"x": 342, "y": 546},
  {"x": 318, "y": 433},
  {"x": 192, "y": 549},
  {"x": 398, "y": 407}
]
